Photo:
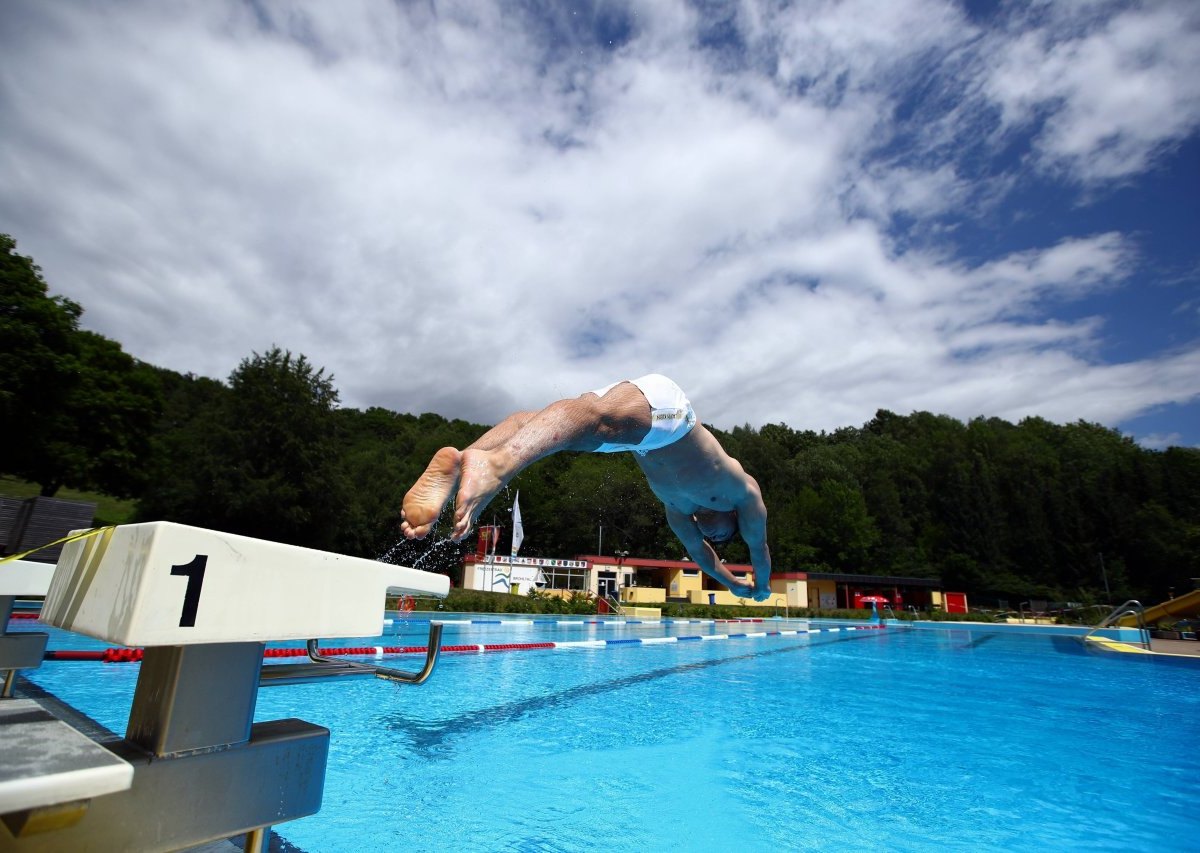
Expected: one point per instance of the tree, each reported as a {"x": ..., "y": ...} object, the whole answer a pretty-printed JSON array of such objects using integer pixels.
[
  {"x": 259, "y": 458},
  {"x": 37, "y": 340},
  {"x": 382, "y": 453},
  {"x": 78, "y": 410},
  {"x": 99, "y": 437}
]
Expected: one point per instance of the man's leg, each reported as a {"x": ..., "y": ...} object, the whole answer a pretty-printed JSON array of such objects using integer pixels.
[
  {"x": 581, "y": 424},
  {"x": 425, "y": 500},
  {"x": 502, "y": 432}
]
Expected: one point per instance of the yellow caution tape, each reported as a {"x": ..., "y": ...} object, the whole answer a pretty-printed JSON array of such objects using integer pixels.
[{"x": 83, "y": 534}]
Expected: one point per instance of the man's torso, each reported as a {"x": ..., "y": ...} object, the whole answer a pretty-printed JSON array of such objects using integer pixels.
[{"x": 694, "y": 473}]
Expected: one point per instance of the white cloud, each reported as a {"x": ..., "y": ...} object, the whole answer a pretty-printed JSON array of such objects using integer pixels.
[
  {"x": 454, "y": 213},
  {"x": 1112, "y": 93},
  {"x": 1160, "y": 441}
]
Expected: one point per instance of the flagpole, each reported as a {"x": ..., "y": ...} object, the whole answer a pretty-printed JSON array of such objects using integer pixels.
[{"x": 492, "y": 557}]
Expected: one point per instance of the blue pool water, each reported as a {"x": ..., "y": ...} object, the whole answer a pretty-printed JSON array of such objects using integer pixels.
[{"x": 895, "y": 739}]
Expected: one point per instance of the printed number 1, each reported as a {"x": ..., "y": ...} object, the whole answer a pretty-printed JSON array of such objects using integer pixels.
[{"x": 194, "y": 571}]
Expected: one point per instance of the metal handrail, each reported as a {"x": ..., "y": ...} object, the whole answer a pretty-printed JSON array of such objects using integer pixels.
[
  {"x": 1085, "y": 607},
  {"x": 1134, "y": 608},
  {"x": 323, "y": 666},
  {"x": 614, "y": 605},
  {"x": 786, "y": 613}
]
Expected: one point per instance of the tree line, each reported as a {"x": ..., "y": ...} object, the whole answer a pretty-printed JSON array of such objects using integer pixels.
[{"x": 998, "y": 510}]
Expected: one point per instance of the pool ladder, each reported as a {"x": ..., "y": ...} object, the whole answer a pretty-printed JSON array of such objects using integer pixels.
[
  {"x": 1134, "y": 608},
  {"x": 321, "y": 666}
]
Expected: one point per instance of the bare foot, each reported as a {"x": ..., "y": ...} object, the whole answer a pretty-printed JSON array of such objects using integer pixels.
[
  {"x": 481, "y": 481},
  {"x": 424, "y": 501}
]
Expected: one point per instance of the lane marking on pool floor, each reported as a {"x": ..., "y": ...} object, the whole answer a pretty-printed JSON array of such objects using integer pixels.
[{"x": 429, "y": 737}]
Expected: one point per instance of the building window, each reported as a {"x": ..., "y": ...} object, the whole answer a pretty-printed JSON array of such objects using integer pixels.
[{"x": 562, "y": 577}]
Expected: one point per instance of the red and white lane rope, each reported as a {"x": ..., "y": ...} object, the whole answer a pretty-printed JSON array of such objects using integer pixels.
[{"x": 127, "y": 655}]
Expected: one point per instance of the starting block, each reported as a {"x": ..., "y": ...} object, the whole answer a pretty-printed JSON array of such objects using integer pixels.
[
  {"x": 49, "y": 772},
  {"x": 24, "y": 578},
  {"x": 22, "y": 650},
  {"x": 203, "y": 604},
  {"x": 165, "y": 584}
]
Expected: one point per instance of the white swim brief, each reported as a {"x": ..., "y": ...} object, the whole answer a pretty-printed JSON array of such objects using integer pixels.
[{"x": 671, "y": 415}]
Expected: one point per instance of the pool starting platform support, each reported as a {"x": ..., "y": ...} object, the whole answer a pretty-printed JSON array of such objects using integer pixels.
[
  {"x": 24, "y": 649},
  {"x": 203, "y": 604}
]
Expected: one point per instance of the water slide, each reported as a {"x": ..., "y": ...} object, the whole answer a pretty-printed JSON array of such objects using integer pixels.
[{"x": 1181, "y": 607}]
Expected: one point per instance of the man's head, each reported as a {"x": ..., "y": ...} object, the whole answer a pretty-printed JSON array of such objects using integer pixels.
[{"x": 716, "y": 526}]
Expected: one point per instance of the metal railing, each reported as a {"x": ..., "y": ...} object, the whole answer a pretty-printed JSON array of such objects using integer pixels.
[
  {"x": 786, "y": 613},
  {"x": 614, "y": 606},
  {"x": 322, "y": 666},
  {"x": 1033, "y": 612},
  {"x": 1134, "y": 608},
  {"x": 1078, "y": 613}
]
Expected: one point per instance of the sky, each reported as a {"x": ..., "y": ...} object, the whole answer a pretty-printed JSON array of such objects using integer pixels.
[{"x": 801, "y": 212}]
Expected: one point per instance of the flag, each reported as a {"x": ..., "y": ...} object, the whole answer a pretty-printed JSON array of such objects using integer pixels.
[
  {"x": 518, "y": 528},
  {"x": 488, "y": 536}
]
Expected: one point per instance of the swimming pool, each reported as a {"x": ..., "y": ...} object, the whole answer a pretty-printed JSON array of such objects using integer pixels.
[{"x": 851, "y": 740}]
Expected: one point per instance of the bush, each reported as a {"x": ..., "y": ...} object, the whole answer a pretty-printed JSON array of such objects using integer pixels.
[
  {"x": 581, "y": 603},
  {"x": 479, "y": 601},
  {"x": 942, "y": 616}
]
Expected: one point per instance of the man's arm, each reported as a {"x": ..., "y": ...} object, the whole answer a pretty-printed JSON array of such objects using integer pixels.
[
  {"x": 685, "y": 529},
  {"x": 752, "y": 524}
]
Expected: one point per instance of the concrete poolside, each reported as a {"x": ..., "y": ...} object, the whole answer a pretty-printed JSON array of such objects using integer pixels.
[
  {"x": 1129, "y": 642},
  {"x": 1176, "y": 647}
]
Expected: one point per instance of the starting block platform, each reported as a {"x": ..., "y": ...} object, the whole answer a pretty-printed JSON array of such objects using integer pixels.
[
  {"x": 23, "y": 578},
  {"x": 162, "y": 583},
  {"x": 46, "y": 762},
  {"x": 22, "y": 650},
  {"x": 193, "y": 766}
]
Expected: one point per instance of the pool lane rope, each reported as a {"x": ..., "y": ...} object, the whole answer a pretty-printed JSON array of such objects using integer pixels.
[
  {"x": 571, "y": 623},
  {"x": 133, "y": 655}
]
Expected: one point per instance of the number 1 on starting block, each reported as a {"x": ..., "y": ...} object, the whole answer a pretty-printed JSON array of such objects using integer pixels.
[{"x": 162, "y": 583}]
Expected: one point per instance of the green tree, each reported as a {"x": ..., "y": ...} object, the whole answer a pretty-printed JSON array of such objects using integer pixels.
[
  {"x": 100, "y": 436},
  {"x": 37, "y": 357},
  {"x": 79, "y": 411},
  {"x": 187, "y": 453},
  {"x": 382, "y": 453},
  {"x": 840, "y": 528},
  {"x": 263, "y": 461}
]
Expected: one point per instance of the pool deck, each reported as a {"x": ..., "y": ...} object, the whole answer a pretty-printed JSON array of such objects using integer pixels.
[
  {"x": 1190, "y": 648},
  {"x": 1173, "y": 648}
]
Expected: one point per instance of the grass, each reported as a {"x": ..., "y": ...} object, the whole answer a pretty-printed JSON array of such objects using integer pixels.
[{"x": 109, "y": 510}]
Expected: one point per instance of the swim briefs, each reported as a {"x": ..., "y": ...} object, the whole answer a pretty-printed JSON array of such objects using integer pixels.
[{"x": 671, "y": 415}]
